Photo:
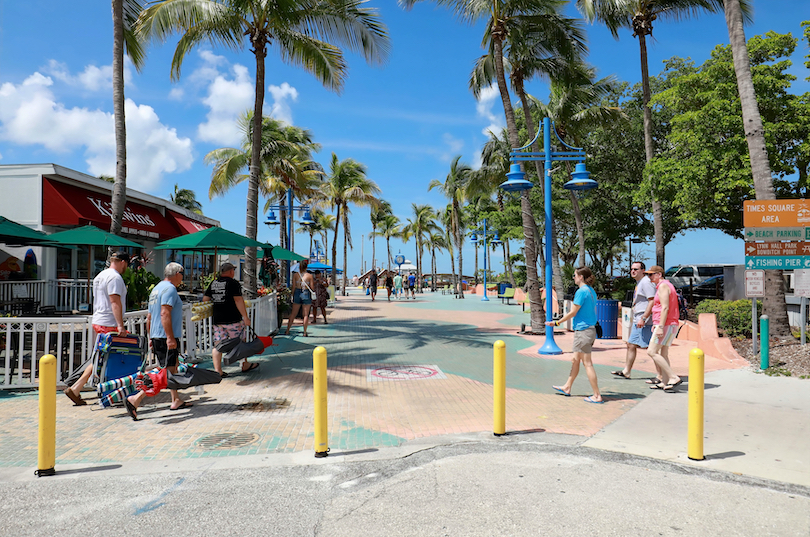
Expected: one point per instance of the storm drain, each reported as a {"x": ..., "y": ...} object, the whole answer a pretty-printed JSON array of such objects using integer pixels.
[{"x": 227, "y": 440}]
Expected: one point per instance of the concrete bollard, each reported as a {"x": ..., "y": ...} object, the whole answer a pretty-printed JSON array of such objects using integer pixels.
[
  {"x": 499, "y": 389},
  {"x": 319, "y": 385},
  {"x": 764, "y": 343},
  {"x": 46, "y": 454},
  {"x": 695, "y": 427}
]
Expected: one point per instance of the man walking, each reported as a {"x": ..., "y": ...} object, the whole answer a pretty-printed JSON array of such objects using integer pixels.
[
  {"x": 109, "y": 304},
  {"x": 398, "y": 286},
  {"x": 412, "y": 285},
  {"x": 641, "y": 330},
  {"x": 229, "y": 312},
  {"x": 372, "y": 283},
  {"x": 164, "y": 322},
  {"x": 666, "y": 321}
]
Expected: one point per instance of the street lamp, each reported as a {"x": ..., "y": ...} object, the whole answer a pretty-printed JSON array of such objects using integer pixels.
[
  {"x": 484, "y": 240},
  {"x": 306, "y": 219},
  {"x": 516, "y": 183}
]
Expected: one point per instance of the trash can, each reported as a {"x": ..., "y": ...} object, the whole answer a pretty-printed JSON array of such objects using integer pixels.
[
  {"x": 607, "y": 313},
  {"x": 503, "y": 287}
]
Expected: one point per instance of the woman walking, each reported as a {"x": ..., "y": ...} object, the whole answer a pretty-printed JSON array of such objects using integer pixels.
[
  {"x": 322, "y": 297},
  {"x": 389, "y": 284},
  {"x": 302, "y": 283},
  {"x": 584, "y": 315}
]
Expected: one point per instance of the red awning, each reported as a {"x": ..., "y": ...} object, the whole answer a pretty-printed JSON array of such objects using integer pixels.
[
  {"x": 186, "y": 224},
  {"x": 64, "y": 204}
]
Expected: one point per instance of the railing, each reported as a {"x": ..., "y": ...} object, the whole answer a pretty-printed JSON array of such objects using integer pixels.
[
  {"x": 64, "y": 295},
  {"x": 23, "y": 340}
]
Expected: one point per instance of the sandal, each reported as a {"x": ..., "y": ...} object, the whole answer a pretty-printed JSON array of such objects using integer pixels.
[
  {"x": 253, "y": 366},
  {"x": 77, "y": 400},
  {"x": 131, "y": 410},
  {"x": 654, "y": 381},
  {"x": 620, "y": 373}
]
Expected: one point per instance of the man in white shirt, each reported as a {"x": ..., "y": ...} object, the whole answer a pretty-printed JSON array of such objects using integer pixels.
[
  {"x": 641, "y": 331},
  {"x": 109, "y": 304}
]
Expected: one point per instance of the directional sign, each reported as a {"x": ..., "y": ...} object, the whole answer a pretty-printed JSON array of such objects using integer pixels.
[
  {"x": 776, "y": 213},
  {"x": 777, "y": 233},
  {"x": 754, "y": 283},
  {"x": 778, "y": 263},
  {"x": 770, "y": 249}
]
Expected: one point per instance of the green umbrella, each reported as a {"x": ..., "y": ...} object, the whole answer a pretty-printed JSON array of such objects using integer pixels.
[
  {"x": 282, "y": 254},
  {"x": 213, "y": 238},
  {"x": 13, "y": 233}
]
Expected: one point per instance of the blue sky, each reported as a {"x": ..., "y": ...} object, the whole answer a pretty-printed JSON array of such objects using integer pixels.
[{"x": 405, "y": 120}]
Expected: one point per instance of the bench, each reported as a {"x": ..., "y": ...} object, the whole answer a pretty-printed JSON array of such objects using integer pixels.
[{"x": 508, "y": 294}]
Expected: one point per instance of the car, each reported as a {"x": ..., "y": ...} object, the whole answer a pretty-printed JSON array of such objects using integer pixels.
[
  {"x": 709, "y": 289},
  {"x": 683, "y": 275}
]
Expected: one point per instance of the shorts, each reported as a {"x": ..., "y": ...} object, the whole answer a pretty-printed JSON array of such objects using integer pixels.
[
  {"x": 373, "y": 288},
  {"x": 104, "y": 329},
  {"x": 302, "y": 296},
  {"x": 228, "y": 331},
  {"x": 166, "y": 357},
  {"x": 640, "y": 337},
  {"x": 665, "y": 340},
  {"x": 411, "y": 287},
  {"x": 583, "y": 340}
]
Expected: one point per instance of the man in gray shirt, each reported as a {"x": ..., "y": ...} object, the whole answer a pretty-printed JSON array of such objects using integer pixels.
[{"x": 641, "y": 331}]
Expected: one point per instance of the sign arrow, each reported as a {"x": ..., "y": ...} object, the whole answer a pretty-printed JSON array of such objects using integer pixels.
[{"x": 750, "y": 249}]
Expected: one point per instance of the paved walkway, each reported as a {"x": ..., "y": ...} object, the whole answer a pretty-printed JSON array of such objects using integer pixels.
[{"x": 441, "y": 344}]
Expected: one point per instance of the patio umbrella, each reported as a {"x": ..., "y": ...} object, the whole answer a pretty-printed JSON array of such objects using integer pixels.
[
  {"x": 282, "y": 254},
  {"x": 90, "y": 236},
  {"x": 13, "y": 233},
  {"x": 319, "y": 266}
]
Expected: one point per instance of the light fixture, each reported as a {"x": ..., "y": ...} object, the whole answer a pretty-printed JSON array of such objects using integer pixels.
[
  {"x": 516, "y": 181},
  {"x": 580, "y": 179},
  {"x": 271, "y": 219}
]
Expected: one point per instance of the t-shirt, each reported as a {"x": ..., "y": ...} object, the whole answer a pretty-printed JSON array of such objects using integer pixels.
[
  {"x": 397, "y": 281},
  {"x": 221, "y": 292},
  {"x": 108, "y": 282},
  {"x": 673, "y": 315},
  {"x": 373, "y": 280},
  {"x": 165, "y": 294},
  {"x": 585, "y": 298},
  {"x": 389, "y": 281},
  {"x": 645, "y": 291},
  {"x": 411, "y": 280}
]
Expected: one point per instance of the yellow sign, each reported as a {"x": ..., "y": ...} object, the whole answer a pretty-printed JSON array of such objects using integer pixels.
[{"x": 776, "y": 213}]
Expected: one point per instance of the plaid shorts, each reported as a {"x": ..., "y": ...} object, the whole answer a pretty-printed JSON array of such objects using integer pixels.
[{"x": 228, "y": 331}]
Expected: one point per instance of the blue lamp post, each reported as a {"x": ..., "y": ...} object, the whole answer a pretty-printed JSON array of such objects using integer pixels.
[
  {"x": 516, "y": 183},
  {"x": 484, "y": 240},
  {"x": 306, "y": 220}
]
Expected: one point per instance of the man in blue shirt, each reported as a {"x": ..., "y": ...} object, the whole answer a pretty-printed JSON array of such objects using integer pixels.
[
  {"x": 412, "y": 285},
  {"x": 164, "y": 322}
]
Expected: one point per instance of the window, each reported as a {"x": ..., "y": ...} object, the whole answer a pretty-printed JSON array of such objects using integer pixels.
[
  {"x": 711, "y": 271},
  {"x": 686, "y": 272}
]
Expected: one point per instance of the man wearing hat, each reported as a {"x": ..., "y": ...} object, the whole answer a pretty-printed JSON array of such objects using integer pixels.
[
  {"x": 230, "y": 315},
  {"x": 109, "y": 304}
]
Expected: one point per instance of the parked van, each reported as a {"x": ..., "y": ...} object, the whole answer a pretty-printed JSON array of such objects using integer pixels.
[{"x": 684, "y": 275}]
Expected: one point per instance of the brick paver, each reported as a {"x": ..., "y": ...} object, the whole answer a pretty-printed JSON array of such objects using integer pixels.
[{"x": 272, "y": 407}]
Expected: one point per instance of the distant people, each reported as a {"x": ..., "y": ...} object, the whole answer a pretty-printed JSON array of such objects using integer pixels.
[
  {"x": 355, "y": 281},
  {"x": 109, "y": 304},
  {"x": 302, "y": 283},
  {"x": 412, "y": 285},
  {"x": 164, "y": 323},
  {"x": 372, "y": 284},
  {"x": 584, "y": 314},
  {"x": 666, "y": 323},
  {"x": 641, "y": 330},
  {"x": 229, "y": 314},
  {"x": 322, "y": 297},
  {"x": 389, "y": 284},
  {"x": 398, "y": 286}
]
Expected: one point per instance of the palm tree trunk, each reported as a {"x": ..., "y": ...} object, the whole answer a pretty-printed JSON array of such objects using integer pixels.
[
  {"x": 334, "y": 246},
  {"x": 460, "y": 270},
  {"x": 249, "y": 279},
  {"x": 773, "y": 304},
  {"x": 282, "y": 233},
  {"x": 119, "y": 194},
  {"x": 373, "y": 246},
  {"x": 580, "y": 229},
  {"x": 388, "y": 247},
  {"x": 433, "y": 269},
  {"x": 476, "y": 263},
  {"x": 508, "y": 256},
  {"x": 345, "y": 255}
]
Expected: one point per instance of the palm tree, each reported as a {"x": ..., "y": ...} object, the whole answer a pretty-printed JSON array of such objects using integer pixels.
[
  {"x": 186, "y": 198},
  {"x": 125, "y": 15},
  {"x": 638, "y": 15},
  {"x": 377, "y": 214},
  {"x": 305, "y": 33},
  {"x": 436, "y": 240},
  {"x": 773, "y": 304},
  {"x": 446, "y": 218},
  {"x": 389, "y": 227},
  {"x": 454, "y": 189},
  {"x": 347, "y": 184},
  {"x": 419, "y": 227}
]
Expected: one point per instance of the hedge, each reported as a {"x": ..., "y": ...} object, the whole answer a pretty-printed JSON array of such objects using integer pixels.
[{"x": 733, "y": 316}]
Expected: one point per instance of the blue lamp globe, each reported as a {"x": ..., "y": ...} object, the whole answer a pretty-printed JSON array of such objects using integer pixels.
[
  {"x": 516, "y": 180},
  {"x": 580, "y": 179},
  {"x": 307, "y": 219},
  {"x": 474, "y": 237},
  {"x": 271, "y": 219}
]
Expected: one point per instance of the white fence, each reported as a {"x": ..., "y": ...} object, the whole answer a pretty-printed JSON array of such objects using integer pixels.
[
  {"x": 71, "y": 339},
  {"x": 63, "y": 295}
]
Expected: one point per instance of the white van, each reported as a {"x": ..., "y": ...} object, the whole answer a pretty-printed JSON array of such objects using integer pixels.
[{"x": 683, "y": 275}]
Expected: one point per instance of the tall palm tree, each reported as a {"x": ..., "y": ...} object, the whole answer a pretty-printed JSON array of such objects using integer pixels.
[
  {"x": 125, "y": 15},
  {"x": 773, "y": 304},
  {"x": 446, "y": 219},
  {"x": 186, "y": 198},
  {"x": 638, "y": 16},
  {"x": 419, "y": 227},
  {"x": 307, "y": 34},
  {"x": 347, "y": 184},
  {"x": 376, "y": 215},
  {"x": 436, "y": 240},
  {"x": 454, "y": 189},
  {"x": 389, "y": 227}
]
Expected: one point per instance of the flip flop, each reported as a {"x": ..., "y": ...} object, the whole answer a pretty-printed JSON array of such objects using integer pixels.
[
  {"x": 671, "y": 387},
  {"x": 590, "y": 399},
  {"x": 224, "y": 374},
  {"x": 131, "y": 410},
  {"x": 253, "y": 366},
  {"x": 77, "y": 401},
  {"x": 560, "y": 390},
  {"x": 184, "y": 404},
  {"x": 653, "y": 381},
  {"x": 620, "y": 373},
  {"x": 657, "y": 386}
]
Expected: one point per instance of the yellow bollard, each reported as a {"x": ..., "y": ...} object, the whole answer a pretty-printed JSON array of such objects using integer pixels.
[
  {"x": 695, "y": 441},
  {"x": 46, "y": 455},
  {"x": 499, "y": 389},
  {"x": 319, "y": 382}
]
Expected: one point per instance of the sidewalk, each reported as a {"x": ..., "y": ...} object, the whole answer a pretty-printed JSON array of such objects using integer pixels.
[{"x": 406, "y": 371}]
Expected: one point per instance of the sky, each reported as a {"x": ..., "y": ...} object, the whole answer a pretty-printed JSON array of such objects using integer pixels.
[{"x": 405, "y": 120}]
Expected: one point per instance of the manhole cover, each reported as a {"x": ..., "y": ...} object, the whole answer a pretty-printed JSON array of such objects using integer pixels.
[
  {"x": 227, "y": 440},
  {"x": 405, "y": 372}
]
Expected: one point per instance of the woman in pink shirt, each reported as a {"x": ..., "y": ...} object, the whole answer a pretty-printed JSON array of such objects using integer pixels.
[{"x": 666, "y": 323}]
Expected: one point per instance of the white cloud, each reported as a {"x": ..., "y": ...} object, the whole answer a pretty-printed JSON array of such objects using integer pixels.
[
  {"x": 176, "y": 94},
  {"x": 30, "y": 114},
  {"x": 227, "y": 98},
  {"x": 93, "y": 78},
  {"x": 486, "y": 101},
  {"x": 280, "y": 108},
  {"x": 454, "y": 147}
]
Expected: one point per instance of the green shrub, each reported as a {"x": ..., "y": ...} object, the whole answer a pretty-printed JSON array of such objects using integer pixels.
[
  {"x": 733, "y": 316},
  {"x": 621, "y": 286}
]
